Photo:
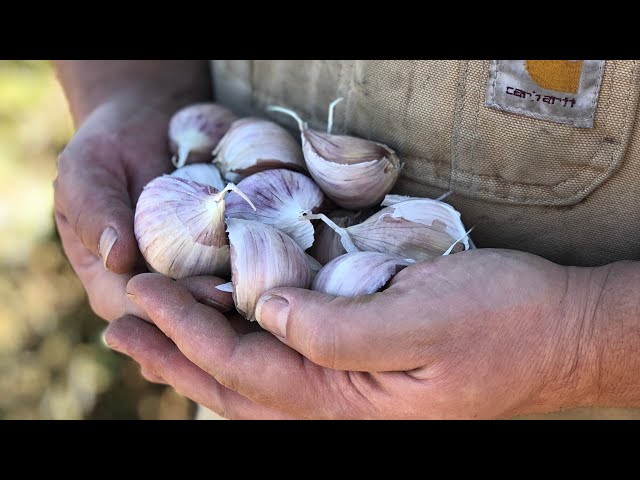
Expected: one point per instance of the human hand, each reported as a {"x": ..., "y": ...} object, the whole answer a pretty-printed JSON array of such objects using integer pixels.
[
  {"x": 119, "y": 147},
  {"x": 478, "y": 334}
]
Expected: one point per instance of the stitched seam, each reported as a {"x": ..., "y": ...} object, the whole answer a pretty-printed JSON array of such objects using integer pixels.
[
  {"x": 596, "y": 92},
  {"x": 474, "y": 130},
  {"x": 542, "y": 116},
  {"x": 458, "y": 124},
  {"x": 525, "y": 199}
]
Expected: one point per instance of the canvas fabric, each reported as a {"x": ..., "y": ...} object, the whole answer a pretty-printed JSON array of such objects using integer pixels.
[{"x": 567, "y": 193}]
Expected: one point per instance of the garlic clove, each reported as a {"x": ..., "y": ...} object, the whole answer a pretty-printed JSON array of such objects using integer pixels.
[
  {"x": 281, "y": 198},
  {"x": 263, "y": 258},
  {"x": 418, "y": 229},
  {"x": 354, "y": 172},
  {"x": 205, "y": 173},
  {"x": 327, "y": 244},
  {"x": 360, "y": 273},
  {"x": 252, "y": 145},
  {"x": 195, "y": 130},
  {"x": 179, "y": 226}
]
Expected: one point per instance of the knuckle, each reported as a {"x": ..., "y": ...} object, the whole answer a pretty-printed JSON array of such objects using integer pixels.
[
  {"x": 102, "y": 309},
  {"x": 229, "y": 379},
  {"x": 65, "y": 162}
]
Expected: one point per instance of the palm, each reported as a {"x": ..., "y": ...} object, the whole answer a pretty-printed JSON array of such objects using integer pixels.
[{"x": 117, "y": 151}]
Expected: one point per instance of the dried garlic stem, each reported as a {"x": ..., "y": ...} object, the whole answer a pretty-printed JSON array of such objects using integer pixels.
[
  {"x": 183, "y": 153},
  {"x": 274, "y": 108},
  {"x": 232, "y": 188},
  {"x": 345, "y": 238},
  {"x": 448, "y": 251},
  {"x": 444, "y": 195},
  {"x": 332, "y": 107}
]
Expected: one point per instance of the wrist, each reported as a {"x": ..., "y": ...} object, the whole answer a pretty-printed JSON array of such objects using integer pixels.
[
  {"x": 614, "y": 360},
  {"x": 164, "y": 85},
  {"x": 597, "y": 340}
]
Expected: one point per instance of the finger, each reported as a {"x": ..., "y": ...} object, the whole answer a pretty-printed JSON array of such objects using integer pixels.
[
  {"x": 152, "y": 376},
  {"x": 256, "y": 365},
  {"x": 362, "y": 333},
  {"x": 241, "y": 325},
  {"x": 91, "y": 191},
  {"x": 203, "y": 288},
  {"x": 106, "y": 290},
  {"x": 156, "y": 353}
]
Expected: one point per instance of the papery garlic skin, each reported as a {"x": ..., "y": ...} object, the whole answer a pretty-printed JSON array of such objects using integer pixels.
[
  {"x": 195, "y": 131},
  {"x": 252, "y": 145},
  {"x": 354, "y": 172},
  {"x": 392, "y": 199},
  {"x": 179, "y": 225},
  {"x": 263, "y": 258},
  {"x": 360, "y": 273},
  {"x": 314, "y": 266},
  {"x": 327, "y": 244},
  {"x": 418, "y": 229},
  {"x": 281, "y": 198},
  {"x": 205, "y": 173}
]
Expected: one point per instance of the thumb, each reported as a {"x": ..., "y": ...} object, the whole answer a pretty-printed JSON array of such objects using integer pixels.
[
  {"x": 94, "y": 199},
  {"x": 362, "y": 333}
]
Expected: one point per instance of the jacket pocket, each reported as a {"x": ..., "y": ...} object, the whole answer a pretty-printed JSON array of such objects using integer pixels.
[{"x": 511, "y": 158}]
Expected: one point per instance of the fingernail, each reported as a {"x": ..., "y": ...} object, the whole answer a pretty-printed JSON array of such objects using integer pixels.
[
  {"x": 106, "y": 343},
  {"x": 272, "y": 313},
  {"x": 210, "y": 302},
  {"x": 108, "y": 238}
]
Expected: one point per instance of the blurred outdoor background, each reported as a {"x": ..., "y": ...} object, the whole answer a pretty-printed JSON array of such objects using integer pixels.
[{"x": 52, "y": 362}]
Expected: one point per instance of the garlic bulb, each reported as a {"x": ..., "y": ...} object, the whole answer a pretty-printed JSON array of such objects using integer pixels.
[
  {"x": 196, "y": 130},
  {"x": 327, "y": 244},
  {"x": 252, "y": 145},
  {"x": 417, "y": 229},
  {"x": 179, "y": 225},
  {"x": 205, "y": 173},
  {"x": 353, "y": 172},
  {"x": 263, "y": 258},
  {"x": 281, "y": 198},
  {"x": 360, "y": 273}
]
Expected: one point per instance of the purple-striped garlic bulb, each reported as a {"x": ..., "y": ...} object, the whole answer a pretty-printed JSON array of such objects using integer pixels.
[
  {"x": 195, "y": 130},
  {"x": 281, "y": 198},
  {"x": 179, "y": 225},
  {"x": 360, "y": 273}
]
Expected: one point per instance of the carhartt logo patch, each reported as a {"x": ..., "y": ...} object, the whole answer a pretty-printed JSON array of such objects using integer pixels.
[{"x": 563, "y": 91}]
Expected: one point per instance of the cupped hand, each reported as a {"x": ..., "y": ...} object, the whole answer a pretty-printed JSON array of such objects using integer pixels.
[
  {"x": 478, "y": 334},
  {"x": 119, "y": 148}
]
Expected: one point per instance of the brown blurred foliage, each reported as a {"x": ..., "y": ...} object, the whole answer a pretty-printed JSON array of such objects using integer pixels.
[{"x": 53, "y": 364}]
